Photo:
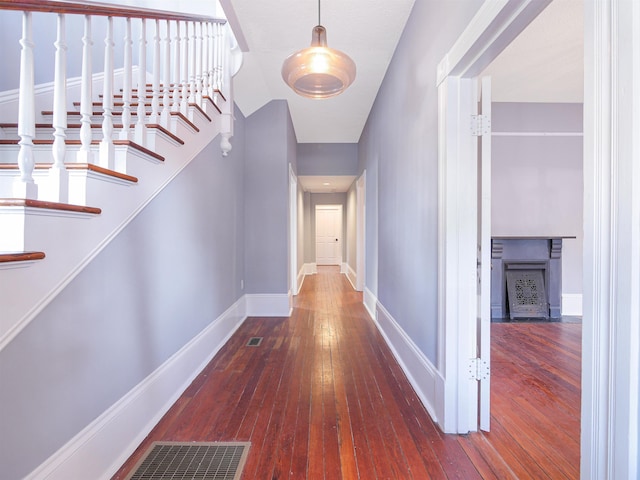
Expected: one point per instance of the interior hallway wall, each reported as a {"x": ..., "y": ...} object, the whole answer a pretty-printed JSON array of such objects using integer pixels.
[
  {"x": 270, "y": 148},
  {"x": 399, "y": 150}
]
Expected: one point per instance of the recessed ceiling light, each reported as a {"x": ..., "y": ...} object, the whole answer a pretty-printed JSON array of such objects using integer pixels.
[{"x": 326, "y": 184}]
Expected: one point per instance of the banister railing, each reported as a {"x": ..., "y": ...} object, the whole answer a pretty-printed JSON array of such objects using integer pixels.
[{"x": 190, "y": 48}]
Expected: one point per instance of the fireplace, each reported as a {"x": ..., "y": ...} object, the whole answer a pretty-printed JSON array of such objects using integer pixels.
[{"x": 526, "y": 277}]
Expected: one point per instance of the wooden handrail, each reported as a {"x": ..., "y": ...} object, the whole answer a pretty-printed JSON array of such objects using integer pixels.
[{"x": 101, "y": 9}]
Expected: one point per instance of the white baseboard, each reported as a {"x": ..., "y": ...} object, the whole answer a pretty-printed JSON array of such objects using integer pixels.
[
  {"x": 268, "y": 305},
  {"x": 300, "y": 280},
  {"x": 572, "y": 304},
  {"x": 370, "y": 301},
  {"x": 422, "y": 374},
  {"x": 104, "y": 445},
  {"x": 351, "y": 274},
  {"x": 310, "y": 268}
]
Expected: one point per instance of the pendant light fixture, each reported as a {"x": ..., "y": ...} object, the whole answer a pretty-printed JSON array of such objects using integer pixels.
[{"x": 318, "y": 71}]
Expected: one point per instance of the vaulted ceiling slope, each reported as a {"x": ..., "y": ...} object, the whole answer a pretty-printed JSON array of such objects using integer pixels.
[{"x": 366, "y": 30}]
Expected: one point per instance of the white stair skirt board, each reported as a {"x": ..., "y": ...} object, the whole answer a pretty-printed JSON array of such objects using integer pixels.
[
  {"x": 572, "y": 304},
  {"x": 98, "y": 451},
  {"x": 267, "y": 305},
  {"x": 422, "y": 374}
]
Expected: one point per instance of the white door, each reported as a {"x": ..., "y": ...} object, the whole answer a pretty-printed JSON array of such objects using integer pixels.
[
  {"x": 484, "y": 253},
  {"x": 329, "y": 234}
]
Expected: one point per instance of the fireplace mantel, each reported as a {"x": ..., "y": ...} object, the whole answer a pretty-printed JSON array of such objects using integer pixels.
[{"x": 532, "y": 251}]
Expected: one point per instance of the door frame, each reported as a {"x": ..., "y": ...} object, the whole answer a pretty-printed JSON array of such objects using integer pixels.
[
  {"x": 611, "y": 267},
  {"x": 293, "y": 234},
  {"x": 361, "y": 184}
]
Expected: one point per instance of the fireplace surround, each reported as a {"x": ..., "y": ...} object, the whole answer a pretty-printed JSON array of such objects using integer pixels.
[{"x": 529, "y": 255}]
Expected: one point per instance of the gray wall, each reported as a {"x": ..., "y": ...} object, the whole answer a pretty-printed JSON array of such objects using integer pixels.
[
  {"x": 537, "y": 180},
  {"x": 172, "y": 271},
  {"x": 269, "y": 150},
  {"x": 399, "y": 149},
  {"x": 327, "y": 159}
]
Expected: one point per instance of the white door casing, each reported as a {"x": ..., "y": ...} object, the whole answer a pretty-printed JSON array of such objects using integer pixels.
[
  {"x": 360, "y": 230},
  {"x": 483, "y": 130},
  {"x": 293, "y": 232}
]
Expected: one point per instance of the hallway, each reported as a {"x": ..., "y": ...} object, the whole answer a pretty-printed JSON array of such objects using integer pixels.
[{"x": 323, "y": 397}]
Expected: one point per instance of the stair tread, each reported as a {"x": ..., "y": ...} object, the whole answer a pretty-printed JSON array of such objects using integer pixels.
[
  {"x": 28, "y": 202},
  {"x": 20, "y": 256},
  {"x": 76, "y": 166}
]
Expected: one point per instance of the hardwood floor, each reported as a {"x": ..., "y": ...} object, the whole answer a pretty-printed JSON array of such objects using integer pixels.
[{"x": 323, "y": 398}]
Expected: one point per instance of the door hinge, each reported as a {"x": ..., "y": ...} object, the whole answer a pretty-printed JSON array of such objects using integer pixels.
[
  {"x": 480, "y": 125},
  {"x": 478, "y": 369}
]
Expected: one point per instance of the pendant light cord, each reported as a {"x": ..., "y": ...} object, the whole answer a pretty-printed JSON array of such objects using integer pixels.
[{"x": 319, "y": 23}]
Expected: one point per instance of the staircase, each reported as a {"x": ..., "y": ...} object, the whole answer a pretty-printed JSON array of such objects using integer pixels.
[{"x": 81, "y": 157}]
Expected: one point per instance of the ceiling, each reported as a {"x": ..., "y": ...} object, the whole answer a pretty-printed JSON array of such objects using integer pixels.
[
  {"x": 274, "y": 29},
  {"x": 544, "y": 64}
]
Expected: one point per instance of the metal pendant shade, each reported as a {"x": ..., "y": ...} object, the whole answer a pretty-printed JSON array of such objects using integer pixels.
[{"x": 319, "y": 71}]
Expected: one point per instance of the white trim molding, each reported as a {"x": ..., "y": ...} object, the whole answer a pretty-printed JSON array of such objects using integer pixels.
[
  {"x": 301, "y": 277},
  {"x": 102, "y": 447},
  {"x": 351, "y": 274},
  {"x": 421, "y": 373},
  {"x": 268, "y": 305},
  {"x": 370, "y": 302},
  {"x": 310, "y": 268},
  {"x": 611, "y": 268}
]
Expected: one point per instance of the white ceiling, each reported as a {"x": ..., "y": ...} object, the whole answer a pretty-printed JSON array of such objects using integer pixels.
[
  {"x": 544, "y": 64},
  {"x": 326, "y": 184},
  {"x": 366, "y": 30}
]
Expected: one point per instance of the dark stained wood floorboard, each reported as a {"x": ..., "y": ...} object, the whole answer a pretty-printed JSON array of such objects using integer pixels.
[{"x": 323, "y": 398}]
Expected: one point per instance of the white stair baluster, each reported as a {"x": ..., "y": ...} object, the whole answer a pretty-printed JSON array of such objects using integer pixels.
[
  {"x": 155, "y": 84},
  {"x": 141, "y": 128},
  {"x": 107, "y": 151},
  {"x": 25, "y": 186},
  {"x": 58, "y": 175},
  {"x": 184, "y": 81},
  {"x": 206, "y": 44},
  {"x": 192, "y": 64},
  {"x": 175, "y": 107},
  {"x": 198, "y": 28},
  {"x": 166, "y": 77},
  {"x": 126, "y": 83},
  {"x": 219, "y": 50},
  {"x": 86, "y": 107}
]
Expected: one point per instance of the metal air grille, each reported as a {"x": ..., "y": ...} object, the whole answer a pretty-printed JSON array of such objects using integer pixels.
[
  {"x": 192, "y": 461},
  {"x": 527, "y": 296}
]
